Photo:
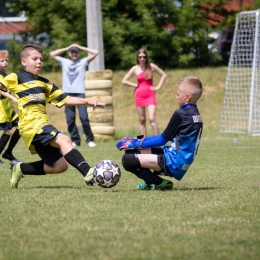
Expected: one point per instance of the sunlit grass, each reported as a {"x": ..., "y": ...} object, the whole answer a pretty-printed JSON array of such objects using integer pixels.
[{"x": 213, "y": 213}]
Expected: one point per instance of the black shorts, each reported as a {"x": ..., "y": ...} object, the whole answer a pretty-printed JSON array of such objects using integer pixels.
[
  {"x": 9, "y": 125},
  {"x": 47, "y": 153}
]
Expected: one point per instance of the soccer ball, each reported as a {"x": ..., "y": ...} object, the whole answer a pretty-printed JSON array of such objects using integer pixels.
[{"x": 106, "y": 174}]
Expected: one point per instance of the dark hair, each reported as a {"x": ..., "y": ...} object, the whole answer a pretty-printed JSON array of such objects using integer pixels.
[
  {"x": 148, "y": 69},
  {"x": 29, "y": 47}
]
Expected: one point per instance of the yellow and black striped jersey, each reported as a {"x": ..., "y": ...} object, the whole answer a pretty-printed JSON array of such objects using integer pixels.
[
  {"x": 33, "y": 93},
  {"x": 6, "y": 109}
]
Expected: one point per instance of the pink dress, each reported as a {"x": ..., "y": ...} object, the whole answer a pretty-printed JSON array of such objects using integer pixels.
[{"x": 143, "y": 95}]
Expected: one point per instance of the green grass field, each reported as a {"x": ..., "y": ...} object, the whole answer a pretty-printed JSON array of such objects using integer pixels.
[{"x": 213, "y": 213}]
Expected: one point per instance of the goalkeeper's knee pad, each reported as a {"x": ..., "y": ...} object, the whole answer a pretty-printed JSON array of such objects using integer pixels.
[{"x": 131, "y": 163}]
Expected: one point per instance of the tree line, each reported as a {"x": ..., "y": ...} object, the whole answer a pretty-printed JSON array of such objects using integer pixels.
[{"x": 175, "y": 33}]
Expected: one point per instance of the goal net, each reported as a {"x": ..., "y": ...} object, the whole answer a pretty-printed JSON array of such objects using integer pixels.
[{"x": 241, "y": 104}]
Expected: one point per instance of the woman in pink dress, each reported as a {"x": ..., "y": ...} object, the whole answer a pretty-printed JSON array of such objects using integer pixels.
[{"x": 144, "y": 90}]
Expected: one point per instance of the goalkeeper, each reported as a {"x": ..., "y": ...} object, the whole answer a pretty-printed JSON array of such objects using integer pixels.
[{"x": 184, "y": 131}]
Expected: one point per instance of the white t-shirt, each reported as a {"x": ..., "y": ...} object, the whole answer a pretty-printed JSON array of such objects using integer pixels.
[{"x": 73, "y": 75}]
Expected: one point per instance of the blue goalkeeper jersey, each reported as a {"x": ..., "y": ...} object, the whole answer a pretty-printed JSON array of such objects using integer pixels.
[{"x": 184, "y": 130}]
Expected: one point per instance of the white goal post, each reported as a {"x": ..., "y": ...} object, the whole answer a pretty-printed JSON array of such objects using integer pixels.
[{"x": 241, "y": 104}]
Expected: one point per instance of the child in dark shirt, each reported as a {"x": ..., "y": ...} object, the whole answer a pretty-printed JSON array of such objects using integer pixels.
[{"x": 184, "y": 131}]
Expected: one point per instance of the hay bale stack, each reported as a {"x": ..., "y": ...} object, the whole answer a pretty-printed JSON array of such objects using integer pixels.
[{"x": 98, "y": 85}]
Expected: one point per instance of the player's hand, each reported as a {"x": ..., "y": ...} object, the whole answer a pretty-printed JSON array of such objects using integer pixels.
[
  {"x": 8, "y": 95},
  {"x": 98, "y": 104},
  {"x": 95, "y": 103},
  {"x": 122, "y": 143},
  {"x": 128, "y": 143}
]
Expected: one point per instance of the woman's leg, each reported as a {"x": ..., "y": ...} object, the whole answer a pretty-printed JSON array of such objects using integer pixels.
[
  {"x": 152, "y": 118},
  {"x": 142, "y": 120}
]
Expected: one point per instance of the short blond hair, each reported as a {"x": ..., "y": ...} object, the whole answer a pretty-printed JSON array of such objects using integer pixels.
[
  {"x": 191, "y": 85},
  {"x": 4, "y": 54}
]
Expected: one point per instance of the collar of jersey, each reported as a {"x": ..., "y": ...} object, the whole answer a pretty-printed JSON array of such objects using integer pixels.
[{"x": 188, "y": 105}]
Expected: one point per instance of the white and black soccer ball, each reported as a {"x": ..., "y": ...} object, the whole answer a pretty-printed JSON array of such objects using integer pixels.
[{"x": 106, "y": 174}]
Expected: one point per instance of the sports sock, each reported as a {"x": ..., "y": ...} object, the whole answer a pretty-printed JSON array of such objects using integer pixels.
[
  {"x": 149, "y": 177},
  {"x": 75, "y": 158},
  {"x": 3, "y": 141},
  {"x": 13, "y": 141},
  {"x": 33, "y": 168}
]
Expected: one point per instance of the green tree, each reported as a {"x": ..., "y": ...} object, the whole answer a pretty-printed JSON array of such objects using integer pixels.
[{"x": 129, "y": 25}]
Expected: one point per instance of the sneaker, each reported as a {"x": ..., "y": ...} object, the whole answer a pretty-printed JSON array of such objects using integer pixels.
[
  {"x": 89, "y": 178},
  {"x": 16, "y": 175},
  {"x": 8, "y": 156},
  {"x": 13, "y": 162},
  {"x": 91, "y": 144},
  {"x": 74, "y": 144},
  {"x": 165, "y": 185},
  {"x": 145, "y": 186}
]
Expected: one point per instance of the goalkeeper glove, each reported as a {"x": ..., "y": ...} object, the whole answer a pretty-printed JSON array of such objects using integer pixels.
[{"x": 130, "y": 143}]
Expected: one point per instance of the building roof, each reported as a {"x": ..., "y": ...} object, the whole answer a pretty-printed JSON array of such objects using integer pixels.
[
  {"x": 214, "y": 18},
  {"x": 13, "y": 25}
]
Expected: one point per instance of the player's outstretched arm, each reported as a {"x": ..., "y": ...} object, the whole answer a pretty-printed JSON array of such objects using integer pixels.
[
  {"x": 8, "y": 95},
  {"x": 140, "y": 142},
  {"x": 74, "y": 101},
  {"x": 5, "y": 93}
]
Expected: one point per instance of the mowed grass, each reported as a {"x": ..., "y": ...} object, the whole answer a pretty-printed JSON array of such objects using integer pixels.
[{"x": 213, "y": 213}]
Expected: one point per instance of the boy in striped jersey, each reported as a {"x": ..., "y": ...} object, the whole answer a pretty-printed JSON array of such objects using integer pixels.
[
  {"x": 33, "y": 93},
  {"x": 8, "y": 117}
]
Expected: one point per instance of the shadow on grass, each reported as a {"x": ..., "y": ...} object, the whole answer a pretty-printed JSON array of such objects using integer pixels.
[
  {"x": 178, "y": 189},
  {"x": 200, "y": 188},
  {"x": 55, "y": 187},
  {"x": 175, "y": 189},
  {"x": 184, "y": 188},
  {"x": 70, "y": 187}
]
